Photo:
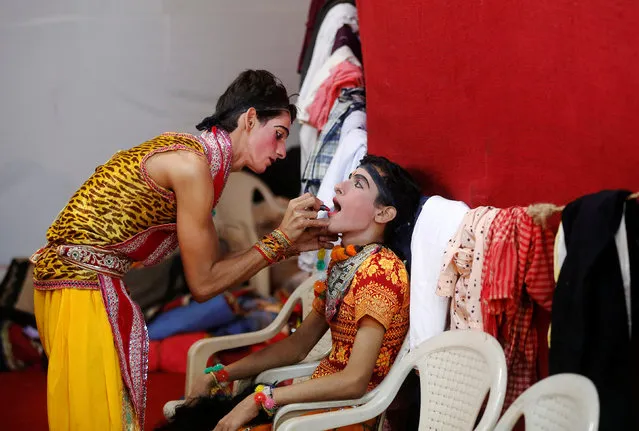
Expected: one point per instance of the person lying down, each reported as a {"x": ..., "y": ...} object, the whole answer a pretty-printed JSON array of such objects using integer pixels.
[{"x": 363, "y": 297}]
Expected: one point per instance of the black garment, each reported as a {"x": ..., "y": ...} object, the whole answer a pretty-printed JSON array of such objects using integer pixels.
[
  {"x": 632, "y": 227},
  {"x": 589, "y": 318},
  {"x": 313, "y": 11},
  {"x": 308, "y": 54},
  {"x": 346, "y": 36}
]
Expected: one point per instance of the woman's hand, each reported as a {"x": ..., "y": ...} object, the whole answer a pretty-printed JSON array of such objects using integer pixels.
[
  {"x": 201, "y": 387},
  {"x": 313, "y": 239},
  {"x": 242, "y": 414},
  {"x": 300, "y": 215}
]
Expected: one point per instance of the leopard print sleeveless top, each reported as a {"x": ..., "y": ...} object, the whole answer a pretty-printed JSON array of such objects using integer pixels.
[{"x": 119, "y": 201}]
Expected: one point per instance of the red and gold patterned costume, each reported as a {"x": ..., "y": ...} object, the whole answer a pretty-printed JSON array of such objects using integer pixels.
[{"x": 379, "y": 290}]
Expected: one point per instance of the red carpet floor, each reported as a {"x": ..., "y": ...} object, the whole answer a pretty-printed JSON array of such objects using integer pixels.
[{"x": 24, "y": 405}]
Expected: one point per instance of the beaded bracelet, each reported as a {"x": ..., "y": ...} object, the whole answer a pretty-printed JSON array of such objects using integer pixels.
[
  {"x": 274, "y": 246},
  {"x": 219, "y": 388},
  {"x": 264, "y": 398}
]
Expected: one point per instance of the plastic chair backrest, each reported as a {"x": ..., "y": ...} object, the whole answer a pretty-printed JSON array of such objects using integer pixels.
[
  {"x": 457, "y": 369},
  {"x": 324, "y": 345},
  {"x": 235, "y": 207},
  {"x": 563, "y": 402}
]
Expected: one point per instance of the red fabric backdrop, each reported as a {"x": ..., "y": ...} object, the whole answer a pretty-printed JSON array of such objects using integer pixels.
[{"x": 505, "y": 102}]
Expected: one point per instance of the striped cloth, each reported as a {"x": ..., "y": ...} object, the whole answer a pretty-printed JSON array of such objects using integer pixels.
[
  {"x": 517, "y": 278},
  {"x": 351, "y": 99}
]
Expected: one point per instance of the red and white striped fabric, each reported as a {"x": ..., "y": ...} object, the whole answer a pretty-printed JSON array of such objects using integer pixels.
[{"x": 517, "y": 278}]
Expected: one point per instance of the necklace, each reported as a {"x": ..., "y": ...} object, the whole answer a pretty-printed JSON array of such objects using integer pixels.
[{"x": 332, "y": 285}]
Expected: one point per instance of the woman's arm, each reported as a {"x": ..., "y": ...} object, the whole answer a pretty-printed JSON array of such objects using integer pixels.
[
  {"x": 288, "y": 351},
  {"x": 188, "y": 176},
  {"x": 350, "y": 383}
]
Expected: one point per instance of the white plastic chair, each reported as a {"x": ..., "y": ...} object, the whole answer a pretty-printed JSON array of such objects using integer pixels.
[
  {"x": 563, "y": 402},
  {"x": 202, "y": 350},
  {"x": 457, "y": 369},
  {"x": 305, "y": 370},
  {"x": 236, "y": 208}
]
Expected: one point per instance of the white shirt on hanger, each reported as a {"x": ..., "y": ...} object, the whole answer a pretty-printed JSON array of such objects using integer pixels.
[
  {"x": 621, "y": 241},
  {"x": 437, "y": 223},
  {"x": 308, "y": 140}
]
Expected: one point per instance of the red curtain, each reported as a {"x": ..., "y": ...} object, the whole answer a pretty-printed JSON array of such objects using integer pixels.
[{"x": 505, "y": 102}]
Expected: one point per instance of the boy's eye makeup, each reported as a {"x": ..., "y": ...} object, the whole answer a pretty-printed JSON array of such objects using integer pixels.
[{"x": 359, "y": 181}]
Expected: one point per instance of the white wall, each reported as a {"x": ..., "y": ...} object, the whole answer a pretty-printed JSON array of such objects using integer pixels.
[{"x": 81, "y": 79}]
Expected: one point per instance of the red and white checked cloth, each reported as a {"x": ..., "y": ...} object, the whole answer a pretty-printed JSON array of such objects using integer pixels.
[{"x": 517, "y": 278}]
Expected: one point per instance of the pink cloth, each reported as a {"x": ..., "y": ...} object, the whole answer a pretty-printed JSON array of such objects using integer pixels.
[
  {"x": 461, "y": 271},
  {"x": 344, "y": 75}
]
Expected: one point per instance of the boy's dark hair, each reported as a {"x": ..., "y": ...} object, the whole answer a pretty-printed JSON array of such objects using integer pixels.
[
  {"x": 400, "y": 190},
  {"x": 257, "y": 89}
]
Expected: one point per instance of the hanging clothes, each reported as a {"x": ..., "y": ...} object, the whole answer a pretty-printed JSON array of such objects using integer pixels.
[
  {"x": 344, "y": 75},
  {"x": 308, "y": 141},
  {"x": 323, "y": 73},
  {"x": 331, "y": 17},
  {"x": 461, "y": 270},
  {"x": 346, "y": 36},
  {"x": 632, "y": 229},
  {"x": 313, "y": 12},
  {"x": 308, "y": 133},
  {"x": 590, "y": 333},
  {"x": 436, "y": 224},
  {"x": 351, "y": 100},
  {"x": 621, "y": 243},
  {"x": 517, "y": 279},
  {"x": 351, "y": 148}
]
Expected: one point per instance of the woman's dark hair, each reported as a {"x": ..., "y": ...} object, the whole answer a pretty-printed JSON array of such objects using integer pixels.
[
  {"x": 257, "y": 89},
  {"x": 203, "y": 413},
  {"x": 398, "y": 189}
]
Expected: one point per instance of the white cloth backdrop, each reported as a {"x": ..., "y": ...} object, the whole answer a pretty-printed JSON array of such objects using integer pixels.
[{"x": 82, "y": 79}]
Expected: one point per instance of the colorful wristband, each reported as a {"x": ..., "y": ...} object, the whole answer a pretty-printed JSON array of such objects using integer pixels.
[
  {"x": 274, "y": 246},
  {"x": 264, "y": 398},
  {"x": 219, "y": 387}
]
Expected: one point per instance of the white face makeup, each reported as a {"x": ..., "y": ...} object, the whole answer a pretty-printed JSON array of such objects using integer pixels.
[{"x": 354, "y": 206}]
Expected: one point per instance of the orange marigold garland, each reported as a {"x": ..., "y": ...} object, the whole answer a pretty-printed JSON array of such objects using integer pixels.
[
  {"x": 351, "y": 250},
  {"x": 338, "y": 254}
]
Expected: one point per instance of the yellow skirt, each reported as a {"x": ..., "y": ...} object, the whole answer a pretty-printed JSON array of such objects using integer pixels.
[{"x": 84, "y": 386}]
